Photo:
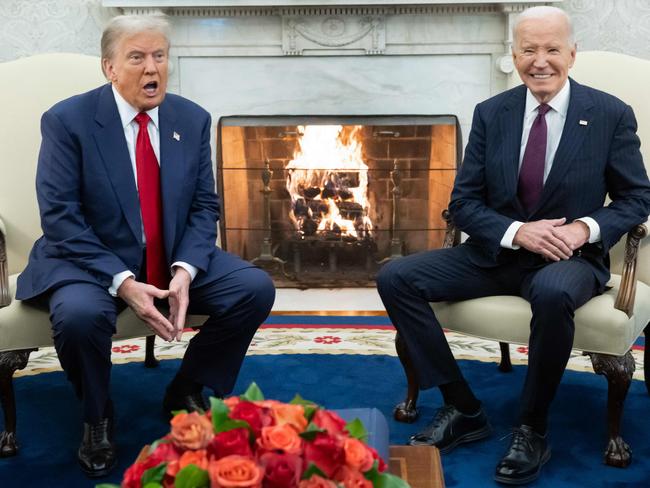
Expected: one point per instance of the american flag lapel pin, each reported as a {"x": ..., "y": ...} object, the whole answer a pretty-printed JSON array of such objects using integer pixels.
[
  {"x": 177, "y": 136},
  {"x": 582, "y": 122}
]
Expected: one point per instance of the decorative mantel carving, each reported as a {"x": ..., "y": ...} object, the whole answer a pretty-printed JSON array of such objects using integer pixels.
[{"x": 351, "y": 32}]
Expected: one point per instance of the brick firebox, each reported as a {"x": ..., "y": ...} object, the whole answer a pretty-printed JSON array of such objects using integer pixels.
[{"x": 418, "y": 154}]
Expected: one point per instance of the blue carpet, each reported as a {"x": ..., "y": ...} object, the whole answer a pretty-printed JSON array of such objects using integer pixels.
[{"x": 49, "y": 431}]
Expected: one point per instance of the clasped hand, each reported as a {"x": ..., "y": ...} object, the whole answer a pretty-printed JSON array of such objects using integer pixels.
[
  {"x": 140, "y": 298},
  {"x": 553, "y": 239}
]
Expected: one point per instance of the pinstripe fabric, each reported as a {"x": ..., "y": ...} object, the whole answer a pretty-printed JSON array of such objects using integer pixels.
[{"x": 598, "y": 154}]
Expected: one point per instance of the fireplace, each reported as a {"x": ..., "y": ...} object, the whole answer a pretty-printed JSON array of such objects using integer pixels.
[{"x": 324, "y": 201}]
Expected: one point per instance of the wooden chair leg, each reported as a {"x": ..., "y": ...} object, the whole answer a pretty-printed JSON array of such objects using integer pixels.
[
  {"x": 9, "y": 362},
  {"x": 150, "y": 360},
  {"x": 407, "y": 411},
  {"x": 505, "y": 366},
  {"x": 618, "y": 370},
  {"x": 646, "y": 358}
]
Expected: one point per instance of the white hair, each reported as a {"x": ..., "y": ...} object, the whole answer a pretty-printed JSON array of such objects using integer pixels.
[
  {"x": 541, "y": 12},
  {"x": 129, "y": 25}
]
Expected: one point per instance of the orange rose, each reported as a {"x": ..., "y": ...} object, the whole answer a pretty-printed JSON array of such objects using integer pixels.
[
  {"x": 235, "y": 472},
  {"x": 357, "y": 455},
  {"x": 294, "y": 415},
  {"x": 267, "y": 403},
  {"x": 198, "y": 458},
  {"x": 316, "y": 482},
  {"x": 280, "y": 437},
  {"x": 351, "y": 478},
  {"x": 191, "y": 431}
]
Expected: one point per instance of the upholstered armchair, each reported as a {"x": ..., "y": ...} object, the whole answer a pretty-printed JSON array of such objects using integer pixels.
[
  {"x": 606, "y": 326},
  {"x": 28, "y": 87}
]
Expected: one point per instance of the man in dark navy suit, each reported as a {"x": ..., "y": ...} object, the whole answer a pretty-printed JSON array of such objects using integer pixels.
[
  {"x": 540, "y": 161},
  {"x": 129, "y": 215}
]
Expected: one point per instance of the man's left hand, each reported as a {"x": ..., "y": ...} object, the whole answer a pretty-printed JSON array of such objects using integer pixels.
[
  {"x": 574, "y": 235},
  {"x": 179, "y": 299}
]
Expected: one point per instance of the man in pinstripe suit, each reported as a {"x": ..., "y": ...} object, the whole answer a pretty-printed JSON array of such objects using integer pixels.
[{"x": 540, "y": 161}]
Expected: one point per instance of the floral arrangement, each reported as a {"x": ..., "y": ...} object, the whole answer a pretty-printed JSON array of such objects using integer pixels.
[{"x": 250, "y": 442}]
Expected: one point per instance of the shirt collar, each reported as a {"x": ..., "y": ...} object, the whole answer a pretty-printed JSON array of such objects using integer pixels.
[
  {"x": 559, "y": 103},
  {"x": 128, "y": 113}
]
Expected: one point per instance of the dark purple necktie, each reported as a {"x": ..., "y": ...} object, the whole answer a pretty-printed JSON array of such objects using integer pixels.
[{"x": 531, "y": 174}]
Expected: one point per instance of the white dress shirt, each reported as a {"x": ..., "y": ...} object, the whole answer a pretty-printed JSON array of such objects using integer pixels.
[
  {"x": 131, "y": 128},
  {"x": 555, "y": 118}
]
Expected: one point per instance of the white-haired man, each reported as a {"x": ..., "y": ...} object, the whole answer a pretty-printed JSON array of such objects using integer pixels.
[
  {"x": 128, "y": 211},
  {"x": 539, "y": 162}
]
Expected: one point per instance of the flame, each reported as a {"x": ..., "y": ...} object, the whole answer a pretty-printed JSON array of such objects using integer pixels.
[{"x": 328, "y": 182}]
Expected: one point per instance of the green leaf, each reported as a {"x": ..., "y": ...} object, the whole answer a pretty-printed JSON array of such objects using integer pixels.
[
  {"x": 310, "y": 432},
  {"x": 107, "y": 485},
  {"x": 154, "y": 475},
  {"x": 176, "y": 412},
  {"x": 253, "y": 393},
  {"x": 191, "y": 476},
  {"x": 219, "y": 412},
  {"x": 220, "y": 420},
  {"x": 310, "y": 411},
  {"x": 152, "y": 484},
  {"x": 357, "y": 430},
  {"x": 384, "y": 480},
  {"x": 311, "y": 470}
]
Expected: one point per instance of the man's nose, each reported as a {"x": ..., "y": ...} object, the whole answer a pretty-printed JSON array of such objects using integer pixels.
[
  {"x": 149, "y": 64},
  {"x": 540, "y": 60}
]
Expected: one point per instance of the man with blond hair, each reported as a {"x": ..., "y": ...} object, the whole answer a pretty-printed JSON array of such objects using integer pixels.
[
  {"x": 129, "y": 215},
  {"x": 540, "y": 161}
]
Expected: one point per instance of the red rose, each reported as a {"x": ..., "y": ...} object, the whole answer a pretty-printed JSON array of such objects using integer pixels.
[
  {"x": 256, "y": 416},
  {"x": 325, "y": 452},
  {"x": 133, "y": 476},
  {"x": 231, "y": 442},
  {"x": 165, "y": 452},
  {"x": 281, "y": 470},
  {"x": 329, "y": 421},
  {"x": 375, "y": 455}
]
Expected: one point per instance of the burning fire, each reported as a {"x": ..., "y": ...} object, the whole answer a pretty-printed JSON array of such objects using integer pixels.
[{"x": 328, "y": 182}]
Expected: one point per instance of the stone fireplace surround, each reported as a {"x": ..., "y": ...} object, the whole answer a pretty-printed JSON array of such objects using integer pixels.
[{"x": 337, "y": 57}]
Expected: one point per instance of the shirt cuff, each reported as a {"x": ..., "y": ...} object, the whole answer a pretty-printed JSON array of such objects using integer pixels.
[
  {"x": 118, "y": 279},
  {"x": 508, "y": 237},
  {"x": 594, "y": 229},
  {"x": 192, "y": 270}
]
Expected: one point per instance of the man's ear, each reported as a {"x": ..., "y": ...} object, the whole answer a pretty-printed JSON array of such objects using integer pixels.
[{"x": 107, "y": 68}]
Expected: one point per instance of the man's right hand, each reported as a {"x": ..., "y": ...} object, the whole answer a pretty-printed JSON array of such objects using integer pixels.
[
  {"x": 538, "y": 237},
  {"x": 140, "y": 297}
]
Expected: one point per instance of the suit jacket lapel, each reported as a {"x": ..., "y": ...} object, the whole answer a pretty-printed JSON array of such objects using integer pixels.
[
  {"x": 573, "y": 135},
  {"x": 111, "y": 143},
  {"x": 172, "y": 170},
  {"x": 511, "y": 126}
]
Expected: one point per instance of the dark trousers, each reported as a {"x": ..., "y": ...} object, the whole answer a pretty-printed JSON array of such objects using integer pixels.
[
  {"x": 83, "y": 317},
  {"x": 555, "y": 290}
]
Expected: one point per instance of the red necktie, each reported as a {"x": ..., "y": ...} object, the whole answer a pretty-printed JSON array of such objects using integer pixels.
[
  {"x": 531, "y": 174},
  {"x": 150, "y": 205}
]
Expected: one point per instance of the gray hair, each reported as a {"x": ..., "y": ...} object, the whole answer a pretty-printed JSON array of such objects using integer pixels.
[
  {"x": 540, "y": 12},
  {"x": 128, "y": 25}
]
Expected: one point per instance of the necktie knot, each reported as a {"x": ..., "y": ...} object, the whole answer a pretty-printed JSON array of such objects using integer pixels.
[
  {"x": 541, "y": 110},
  {"x": 143, "y": 119}
]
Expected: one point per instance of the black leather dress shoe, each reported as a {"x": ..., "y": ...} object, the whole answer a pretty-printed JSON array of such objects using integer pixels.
[
  {"x": 449, "y": 428},
  {"x": 97, "y": 451},
  {"x": 191, "y": 402},
  {"x": 524, "y": 458}
]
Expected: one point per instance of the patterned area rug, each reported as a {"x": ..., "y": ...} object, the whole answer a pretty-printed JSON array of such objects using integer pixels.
[{"x": 313, "y": 334}]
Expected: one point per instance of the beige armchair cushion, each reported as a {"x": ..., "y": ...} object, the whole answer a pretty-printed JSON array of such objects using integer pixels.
[
  {"x": 25, "y": 326},
  {"x": 599, "y": 326}
]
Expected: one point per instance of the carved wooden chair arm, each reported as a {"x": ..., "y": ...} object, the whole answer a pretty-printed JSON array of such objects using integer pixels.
[
  {"x": 4, "y": 268},
  {"x": 452, "y": 234},
  {"x": 627, "y": 291}
]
